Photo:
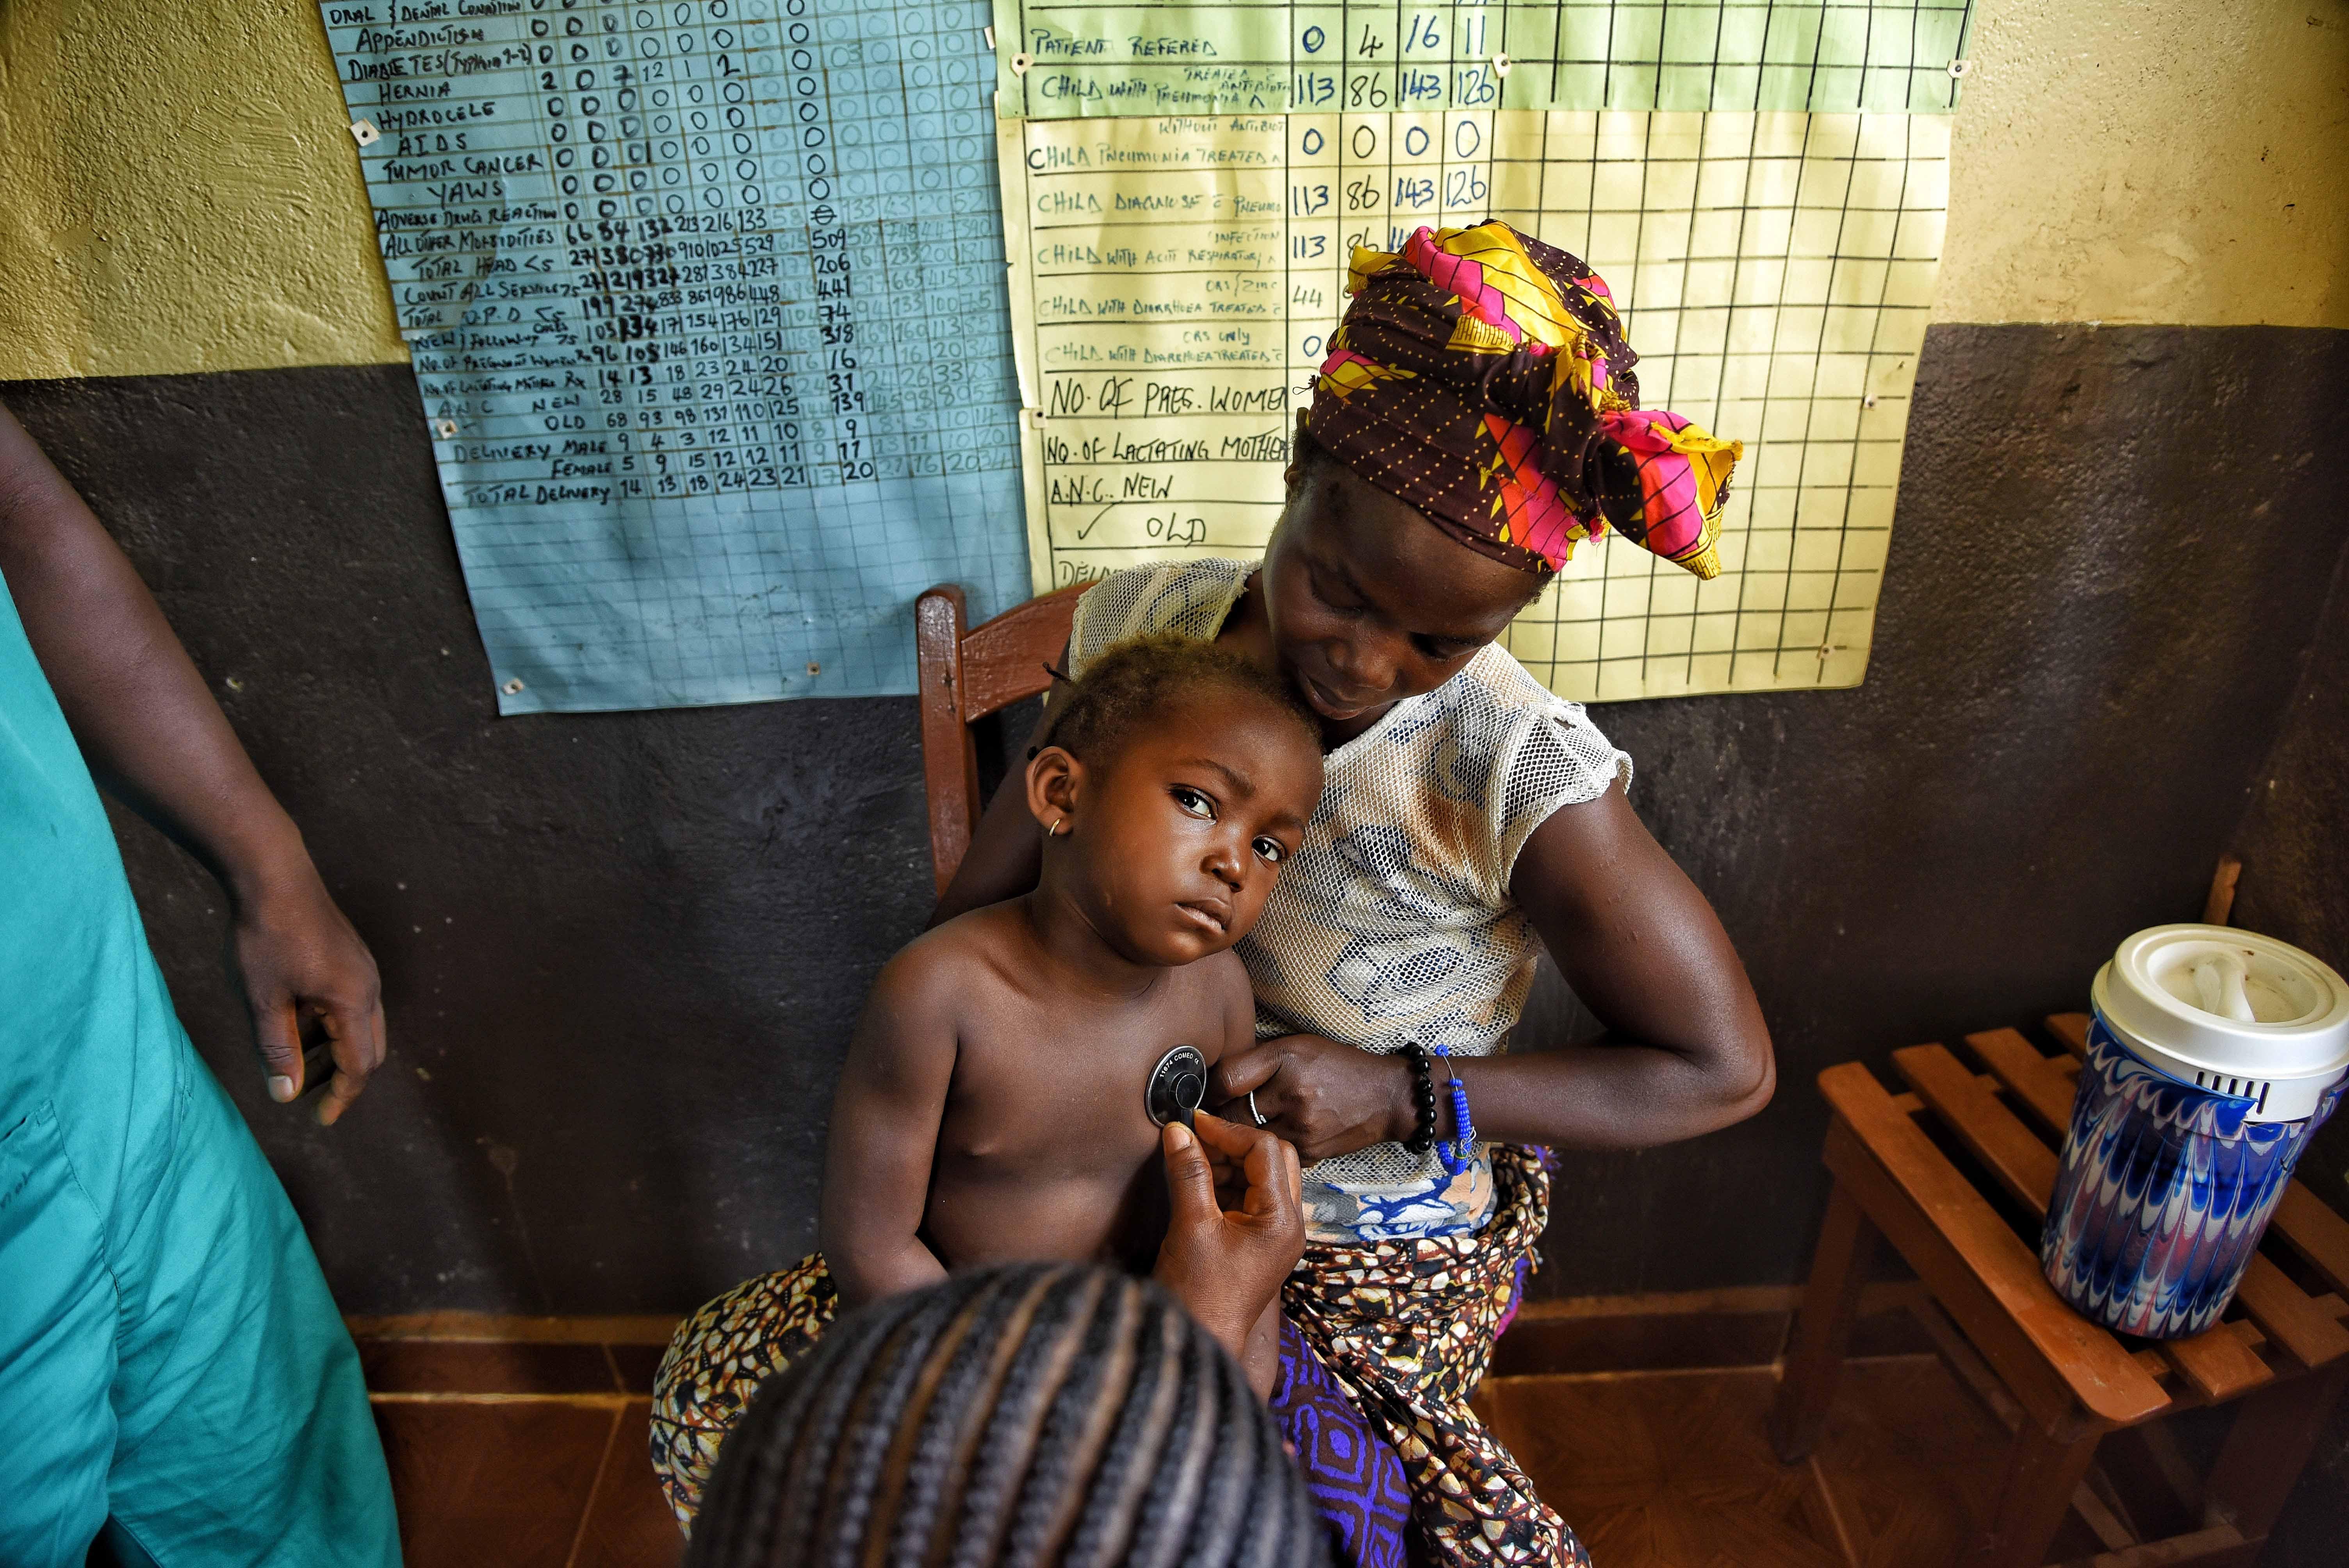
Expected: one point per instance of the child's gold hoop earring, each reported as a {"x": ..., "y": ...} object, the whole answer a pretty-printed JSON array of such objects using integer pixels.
[{"x": 1054, "y": 830}]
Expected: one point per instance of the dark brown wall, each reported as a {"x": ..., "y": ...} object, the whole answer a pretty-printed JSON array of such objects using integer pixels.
[
  {"x": 2294, "y": 844},
  {"x": 629, "y": 947}
]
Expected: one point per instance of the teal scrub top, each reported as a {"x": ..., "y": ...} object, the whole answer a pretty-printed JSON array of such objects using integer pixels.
[
  {"x": 87, "y": 1022},
  {"x": 177, "y": 1373}
]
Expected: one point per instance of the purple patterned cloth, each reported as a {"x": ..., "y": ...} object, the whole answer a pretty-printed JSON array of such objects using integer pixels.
[{"x": 1355, "y": 1476}]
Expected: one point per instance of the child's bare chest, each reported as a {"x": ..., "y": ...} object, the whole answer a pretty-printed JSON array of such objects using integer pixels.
[
  {"x": 1047, "y": 1149},
  {"x": 1061, "y": 1091}
]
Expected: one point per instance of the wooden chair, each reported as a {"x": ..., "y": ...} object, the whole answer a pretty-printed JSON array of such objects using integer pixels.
[
  {"x": 2062, "y": 1384},
  {"x": 966, "y": 676}
]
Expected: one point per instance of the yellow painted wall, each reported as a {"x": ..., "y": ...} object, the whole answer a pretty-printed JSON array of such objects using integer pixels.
[
  {"x": 178, "y": 191},
  {"x": 2121, "y": 161}
]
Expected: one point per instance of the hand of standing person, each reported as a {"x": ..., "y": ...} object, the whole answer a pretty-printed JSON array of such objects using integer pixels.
[
  {"x": 155, "y": 739},
  {"x": 1225, "y": 1264}
]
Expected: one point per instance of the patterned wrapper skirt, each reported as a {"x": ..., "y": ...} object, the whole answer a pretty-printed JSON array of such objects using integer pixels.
[
  {"x": 1380, "y": 1345},
  {"x": 1406, "y": 1329}
]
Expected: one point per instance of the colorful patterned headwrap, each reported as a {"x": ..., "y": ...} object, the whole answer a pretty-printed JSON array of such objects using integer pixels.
[{"x": 1482, "y": 377}]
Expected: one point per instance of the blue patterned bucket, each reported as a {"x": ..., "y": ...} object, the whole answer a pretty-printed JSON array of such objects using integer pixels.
[{"x": 2164, "y": 1190}]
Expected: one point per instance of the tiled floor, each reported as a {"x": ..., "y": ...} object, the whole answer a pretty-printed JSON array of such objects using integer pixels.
[
  {"x": 1670, "y": 1470},
  {"x": 523, "y": 1455}
]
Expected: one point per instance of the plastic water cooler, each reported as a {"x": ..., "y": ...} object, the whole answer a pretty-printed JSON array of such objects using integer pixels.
[{"x": 2213, "y": 1056}]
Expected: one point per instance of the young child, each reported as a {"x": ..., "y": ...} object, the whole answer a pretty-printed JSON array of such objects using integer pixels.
[{"x": 992, "y": 1106}]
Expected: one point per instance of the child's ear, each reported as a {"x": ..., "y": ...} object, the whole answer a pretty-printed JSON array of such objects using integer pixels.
[{"x": 1054, "y": 780}]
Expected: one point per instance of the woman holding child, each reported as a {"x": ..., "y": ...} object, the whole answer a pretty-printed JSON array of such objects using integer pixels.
[{"x": 1475, "y": 418}]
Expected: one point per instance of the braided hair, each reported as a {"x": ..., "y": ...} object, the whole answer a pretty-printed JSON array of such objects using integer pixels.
[{"x": 1029, "y": 1416}]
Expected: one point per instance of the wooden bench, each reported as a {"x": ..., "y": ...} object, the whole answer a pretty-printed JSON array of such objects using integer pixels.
[{"x": 2061, "y": 1383}]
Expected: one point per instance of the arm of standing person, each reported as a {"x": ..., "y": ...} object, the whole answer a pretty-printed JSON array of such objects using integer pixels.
[
  {"x": 1686, "y": 1051},
  {"x": 885, "y": 1116},
  {"x": 155, "y": 739}
]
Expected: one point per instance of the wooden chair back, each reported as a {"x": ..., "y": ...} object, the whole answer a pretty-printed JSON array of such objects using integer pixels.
[{"x": 966, "y": 676}]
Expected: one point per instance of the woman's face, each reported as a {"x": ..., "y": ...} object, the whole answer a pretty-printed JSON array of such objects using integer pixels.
[{"x": 1370, "y": 602}]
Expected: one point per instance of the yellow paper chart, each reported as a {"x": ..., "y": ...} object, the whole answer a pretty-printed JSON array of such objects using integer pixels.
[{"x": 1174, "y": 282}]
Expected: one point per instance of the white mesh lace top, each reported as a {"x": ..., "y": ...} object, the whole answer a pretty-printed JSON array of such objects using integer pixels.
[{"x": 1393, "y": 922}]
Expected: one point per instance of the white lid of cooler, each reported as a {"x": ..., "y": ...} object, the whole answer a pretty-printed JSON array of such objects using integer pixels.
[{"x": 2231, "y": 1001}]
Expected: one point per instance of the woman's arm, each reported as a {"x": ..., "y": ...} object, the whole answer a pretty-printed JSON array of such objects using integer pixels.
[
  {"x": 153, "y": 736},
  {"x": 886, "y": 1115},
  {"x": 1007, "y": 854},
  {"x": 1685, "y": 1052}
]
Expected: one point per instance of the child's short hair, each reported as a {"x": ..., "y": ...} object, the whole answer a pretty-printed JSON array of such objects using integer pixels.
[{"x": 1131, "y": 682}]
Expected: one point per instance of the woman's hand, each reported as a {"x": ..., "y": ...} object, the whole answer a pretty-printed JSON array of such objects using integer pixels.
[
  {"x": 308, "y": 980},
  {"x": 1326, "y": 1097},
  {"x": 1226, "y": 1265}
]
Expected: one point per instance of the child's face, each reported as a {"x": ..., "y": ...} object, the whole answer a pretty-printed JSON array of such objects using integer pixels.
[
  {"x": 1370, "y": 602},
  {"x": 1173, "y": 846}
]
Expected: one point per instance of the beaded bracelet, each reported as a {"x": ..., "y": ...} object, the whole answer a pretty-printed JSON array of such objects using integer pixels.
[
  {"x": 1461, "y": 1149},
  {"x": 1456, "y": 1151},
  {"x": 1423, "y": 1085}
]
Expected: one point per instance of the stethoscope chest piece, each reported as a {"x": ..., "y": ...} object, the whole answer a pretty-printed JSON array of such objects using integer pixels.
[{"x": 1178, "y": 1084}]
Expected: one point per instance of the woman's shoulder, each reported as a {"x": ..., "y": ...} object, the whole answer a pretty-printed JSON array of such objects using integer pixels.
[
  {"x": 1187, "y": 598},
  {"x": 1494, "y": 737},
  {"x": 1493, "y": 698},
  {"x": 1562, "y": 740}
]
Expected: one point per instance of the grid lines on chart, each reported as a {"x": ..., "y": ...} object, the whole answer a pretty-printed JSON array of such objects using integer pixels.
[
  {"x": 671, "y": 274},
  {"x": 1083, "y": 58},
  {"x": 1176, "y": 284}
]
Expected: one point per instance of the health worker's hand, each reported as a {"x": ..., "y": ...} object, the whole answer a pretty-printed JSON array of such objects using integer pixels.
[
  {"x": 1226, "y": 1265},
  {"x": 307, "y": 979},
  {"x": 1327, "y": 1098}
]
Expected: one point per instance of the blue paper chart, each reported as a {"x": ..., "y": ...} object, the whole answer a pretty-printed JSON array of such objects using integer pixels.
[{"x": 707, "y": 307}]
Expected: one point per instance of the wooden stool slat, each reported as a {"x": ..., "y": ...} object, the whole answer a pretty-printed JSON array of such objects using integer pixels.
[
  {"x": 2289, "y": 1315},
  {"x": 2031, "y": 1078},
  {"x": 2317, "y": 1232},
  {"x": 2214, "y": 1361},
  {"x": 1909, "y": 1105},
  {"x": 2037, "y": 1385},
  {"x": 2218, "y": 1363},
  {"x": 2072, "y": 1029},
  {"x": 2101, "y": 1374},
  {"x": 2219, "y": 1546},
  {"x": 2023, "y": 1165}
]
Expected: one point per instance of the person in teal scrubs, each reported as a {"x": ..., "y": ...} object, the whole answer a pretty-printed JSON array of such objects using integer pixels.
[{"x": 173, "y": 1373}]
